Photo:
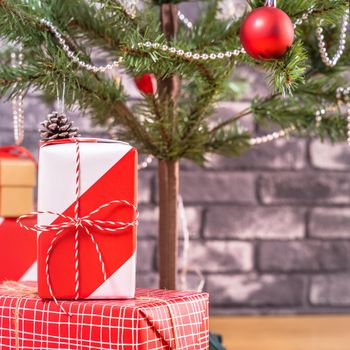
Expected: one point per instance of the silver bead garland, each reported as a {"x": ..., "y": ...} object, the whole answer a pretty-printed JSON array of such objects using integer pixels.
[
  {"x": 331, "y": 62},
  {"x": 189, "y": 55},
  {"x": 62, "y": 42},
  {"x": 212, "y": 56},
  {"x": 343, "y": 97},
  {"x": 304, "y": 16},
  {"x": 271, "y": 137},
  {"x": 17, "y": 102},
  {"x": 184, "y": 20},
  {"x": 145, "y": 163}
]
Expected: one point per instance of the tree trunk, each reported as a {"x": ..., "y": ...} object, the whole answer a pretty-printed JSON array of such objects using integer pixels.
[
  {"x": 170, "y": 25},
  {"x": 168, "y": 178},
  {"x": 168, "y": 170}
]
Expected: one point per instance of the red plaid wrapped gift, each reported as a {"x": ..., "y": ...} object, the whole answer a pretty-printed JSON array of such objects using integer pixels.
[{"x": 155, "y": 319}]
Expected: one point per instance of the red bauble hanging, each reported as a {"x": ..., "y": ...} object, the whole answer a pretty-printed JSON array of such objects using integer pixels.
[
  {"x": 146, "y": 83},
  {"x": 267, "y": 33}
]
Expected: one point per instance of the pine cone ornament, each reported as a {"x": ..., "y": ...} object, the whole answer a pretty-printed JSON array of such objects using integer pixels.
[{"x": 57, "y": 126}]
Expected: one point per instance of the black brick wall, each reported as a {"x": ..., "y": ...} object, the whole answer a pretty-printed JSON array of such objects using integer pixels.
[{"x": 269, "y": 230}]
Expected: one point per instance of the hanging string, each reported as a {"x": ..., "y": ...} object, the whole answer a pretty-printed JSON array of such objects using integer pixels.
[
  {"x": 61, "y": 99},
  {"x": 271, "y": 3},
  {"x": 185, "y": 252},
  {"x": 63, "y": 95}
]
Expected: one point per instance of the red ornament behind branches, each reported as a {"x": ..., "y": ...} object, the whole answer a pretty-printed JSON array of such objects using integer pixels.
[
  {"x": 146, "y": 83},
  {"x": 267, "y": 33}
]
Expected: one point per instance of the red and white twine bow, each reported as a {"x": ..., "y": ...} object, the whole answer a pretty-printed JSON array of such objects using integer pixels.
[{"x": 78, "y": 223}]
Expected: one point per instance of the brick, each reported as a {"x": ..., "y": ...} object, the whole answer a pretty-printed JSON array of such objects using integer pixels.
[
  {"x": 306, "y": 256},
  {"x": 226, "y": 109},
  {"x": 221, "y": 256},
  {"x": 194, "y": 221},
  {"x": 218, "y": 256},
  {"x": 145, "y": 186},
  {"x": 146, "y": 255},
  {"x": 330, "y": 290},
  {"x": 147, "y": 280},
  {"x": 280, "y": 154},
  {"x": 148, "y": 223},
  {"x": 256, "y": 291},
  {"x": 231, "y": 9},
  {"x": 254, "y": 222},
  {"x": 6, "y": 122},
  {"x": 325, "y": 155},
  {"x": 305, "y": 188},
  {"x": 192, "y": 9},
  {"x": 188, "y": 165},
  {"x": 192, "y": 281},
  {"x": 330, "y": 223},
  {"x": 255, "y": 79},
  {"x": 225, "y": 187}
]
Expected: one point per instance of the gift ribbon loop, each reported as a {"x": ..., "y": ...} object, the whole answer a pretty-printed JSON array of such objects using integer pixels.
[
  {"x": 79, "y": 224},
  {"x": 14, "y": 151}
]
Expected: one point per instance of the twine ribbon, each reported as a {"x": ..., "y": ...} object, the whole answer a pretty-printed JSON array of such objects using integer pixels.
[
  {"x": 25, "y": 292},
  {"x": 78, "y": 224},
  {"x": 28, "y": 291},
  {"x": 171, "y": 313}
]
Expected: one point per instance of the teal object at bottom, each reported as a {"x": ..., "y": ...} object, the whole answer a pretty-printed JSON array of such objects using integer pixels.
[{"x": 215, "y": 342}]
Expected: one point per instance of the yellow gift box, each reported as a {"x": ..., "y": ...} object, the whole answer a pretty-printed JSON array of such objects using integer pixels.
[{"x": 17, "y": 181}]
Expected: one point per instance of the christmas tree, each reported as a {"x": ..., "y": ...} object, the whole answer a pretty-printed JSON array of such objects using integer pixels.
[{"x": 192, "y": 65}]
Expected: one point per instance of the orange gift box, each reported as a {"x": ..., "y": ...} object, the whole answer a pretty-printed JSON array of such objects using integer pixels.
[{"x": 17, "y": 181}]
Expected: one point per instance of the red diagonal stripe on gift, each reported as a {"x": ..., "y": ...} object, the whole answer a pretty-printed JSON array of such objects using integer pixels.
[{"x": 117, "y": 183}]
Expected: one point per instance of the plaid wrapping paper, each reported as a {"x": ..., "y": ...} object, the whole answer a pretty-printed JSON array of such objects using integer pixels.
[{"x": 27, "y": 322}]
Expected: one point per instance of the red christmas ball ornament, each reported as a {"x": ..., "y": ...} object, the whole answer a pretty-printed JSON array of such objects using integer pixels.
[
  {"x": 267, "y": 33},
  {"x": 146, "y": 83}
]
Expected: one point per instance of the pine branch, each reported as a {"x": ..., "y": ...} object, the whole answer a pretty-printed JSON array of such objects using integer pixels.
[
  {"x": 104, "y": 26},
  {"x": 157, "y": 125},
  {"x": 287, "y": 112},
  {"x": 203, "y": 104},
  {"x": 230, "y": 142}
]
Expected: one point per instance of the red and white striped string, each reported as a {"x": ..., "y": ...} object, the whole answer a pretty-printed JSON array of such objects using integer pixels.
[{"x": 76, "y": 216}]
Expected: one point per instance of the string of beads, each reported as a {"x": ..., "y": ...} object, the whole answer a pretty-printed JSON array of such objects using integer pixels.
[
  {"x": 331, "y": 62},
  {"x": 173, "y": 51},
  {"x": 17, "y": 102}
]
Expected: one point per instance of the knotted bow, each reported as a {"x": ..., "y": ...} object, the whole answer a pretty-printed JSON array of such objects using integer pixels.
[{"x": 79, "y": 224}]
